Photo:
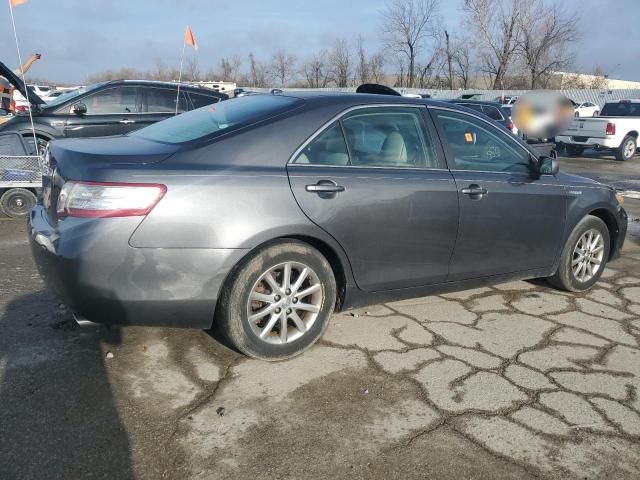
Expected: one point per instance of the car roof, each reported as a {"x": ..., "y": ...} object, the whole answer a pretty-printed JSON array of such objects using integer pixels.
[{"x": 158, "y": 83}]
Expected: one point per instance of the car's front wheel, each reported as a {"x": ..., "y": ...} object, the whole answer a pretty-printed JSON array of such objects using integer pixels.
[
  {"x": 277, "y": 302},
  {"x": 584, "y": 256}
]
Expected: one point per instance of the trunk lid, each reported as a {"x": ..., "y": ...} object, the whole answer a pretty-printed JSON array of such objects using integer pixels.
[{"x": 25, "y": 90}]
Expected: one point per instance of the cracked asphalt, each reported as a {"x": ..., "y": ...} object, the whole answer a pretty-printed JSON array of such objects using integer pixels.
[{"x": 511, "y": 381}]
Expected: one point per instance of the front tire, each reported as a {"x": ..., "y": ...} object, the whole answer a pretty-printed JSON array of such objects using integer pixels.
[
  {"x": 584, "y": 256},
  {"x": 277, "y": 302},
  {"x": 627, "y": 149}
]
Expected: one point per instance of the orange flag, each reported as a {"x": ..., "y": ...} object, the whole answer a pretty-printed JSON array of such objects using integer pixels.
[
  {"x": 15, "y": 3},
  {"x": 189, "y": 39}
]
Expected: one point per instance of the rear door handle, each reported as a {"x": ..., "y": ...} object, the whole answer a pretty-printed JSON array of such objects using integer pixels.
[{"x": 126, "y": 122}]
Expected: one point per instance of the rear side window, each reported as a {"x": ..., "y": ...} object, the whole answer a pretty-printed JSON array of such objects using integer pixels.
[
  {"x": 112, "y": 100},
  {"x": 373, "y": 137},
  {"x": 620, "y": 109},
  {"x": 217, "y": 118},
  {"x": 163, "y": 100},
  {"x": 492, "y": 112},
  {"x": 200, "y": 101}
]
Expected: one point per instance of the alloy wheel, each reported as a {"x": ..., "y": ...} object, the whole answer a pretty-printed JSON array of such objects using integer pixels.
[
  {"x": 587, "y": 255},
  {"x": 284, "y": 303},
  {"x": 629, "y": 149}
]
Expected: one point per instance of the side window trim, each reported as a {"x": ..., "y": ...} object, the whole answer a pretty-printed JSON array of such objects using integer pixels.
[
  {"x": 429, "y": 132},
  {"x": 445, "y": 144}
]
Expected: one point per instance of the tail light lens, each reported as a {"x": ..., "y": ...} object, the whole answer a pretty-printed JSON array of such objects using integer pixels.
[
  {"x": 22, "y": 108},
  {"x": 611, "y": 128},
  {"x": 510, "y": 126},
  {"x": 108, "y": 199}
]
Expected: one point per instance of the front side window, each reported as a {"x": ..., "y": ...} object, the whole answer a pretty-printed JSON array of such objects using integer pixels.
[
  {"x": 111, "y": 100},
  {"x": 475, "y": 145},
  {"x": 163, "y": 100}
]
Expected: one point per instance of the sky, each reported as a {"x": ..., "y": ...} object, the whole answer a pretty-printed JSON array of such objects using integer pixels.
[{"x": 78, "y": 38}]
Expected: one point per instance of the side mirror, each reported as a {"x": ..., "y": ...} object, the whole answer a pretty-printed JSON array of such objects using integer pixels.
[
  {"x": 548, "y": 166},
  {"x": 79, "y": 108}
]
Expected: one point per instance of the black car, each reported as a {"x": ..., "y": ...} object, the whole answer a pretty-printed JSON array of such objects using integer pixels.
[
  {"x": 102, "y": 109},
  {"x": 493, "y": 110},
  {"x": 268, "y": 212}
]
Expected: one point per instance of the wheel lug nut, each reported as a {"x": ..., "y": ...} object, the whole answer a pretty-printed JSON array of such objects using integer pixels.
[
  {"x": 276, "y": 298},
  {"x": 288, "y": 292},
  {"x": 295, "y": 300},
  {"x": 288, "y": 310},
  {"x": 278, "y": 310}
]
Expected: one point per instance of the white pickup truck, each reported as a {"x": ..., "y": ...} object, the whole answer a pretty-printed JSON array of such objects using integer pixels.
[{"x": 615, "y": 129}]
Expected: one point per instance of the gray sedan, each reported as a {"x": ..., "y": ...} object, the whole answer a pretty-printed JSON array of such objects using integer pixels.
[{"x": 264, "y": 214}]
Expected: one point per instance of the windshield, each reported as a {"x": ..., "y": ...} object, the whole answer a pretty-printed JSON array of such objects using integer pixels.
[
  {"x": 621, "y": 109},
  {"x": 216, "y": 118},
  {"x": 73, "y": 94}
]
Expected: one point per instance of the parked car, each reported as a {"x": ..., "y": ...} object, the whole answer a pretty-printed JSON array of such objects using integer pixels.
[
  {"x": 506, "y": 99},
  {"x": 51, "y": 96},
  {"x": 616, "y": 129},
  {"x": 586, "y": 109},
  {"x": 492, "y": 110},
  {"x": 102, "y": 109},
  {"x": 267, "y": 213}
]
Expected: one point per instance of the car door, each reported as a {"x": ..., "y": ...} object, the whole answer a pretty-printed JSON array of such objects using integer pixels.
[
  {"x": 110, "y": 111},
  {"x": 510, "y": 221},
  {"x": 375, "y": 180},
  {"x": 159, "y": 103}
]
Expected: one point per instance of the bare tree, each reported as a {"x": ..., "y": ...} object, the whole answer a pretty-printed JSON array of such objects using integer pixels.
[
  {"x": 407, "y": 24},
  {"x": 316, "y": 70},
  {"x": 547, "y": 35},
  {"x": 282, "y": 66},
  {"x": 376, "y": 67},
  {"x": 496, "y": 25},
  {"x": 449, "y": 54},
  {"x": 257, "y": 72},
  {"x": 362, "y": 72},
  {"x": 341, "y": 59},
  {"x": 599, "y": 80},
  {"x": 462, "y": 62},
  {"x": 191, "y": 71}
]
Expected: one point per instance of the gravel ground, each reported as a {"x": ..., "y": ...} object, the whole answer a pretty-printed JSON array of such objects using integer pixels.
[{"x": 512, "y": 381}]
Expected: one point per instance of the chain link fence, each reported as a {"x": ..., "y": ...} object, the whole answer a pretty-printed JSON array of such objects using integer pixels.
[{"x": 20, "y": 171}]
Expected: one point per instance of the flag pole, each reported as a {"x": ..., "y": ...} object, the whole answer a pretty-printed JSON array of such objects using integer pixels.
[
  {"x": 26, "y": 89},
  {"x": 184, "y": 45}
]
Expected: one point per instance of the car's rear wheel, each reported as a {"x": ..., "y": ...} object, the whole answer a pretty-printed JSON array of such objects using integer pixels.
[
  {"x": 584, "y": 256},
  {"x": 278, "y": 302},
  {"x": 17, "y": 202},
  {"x": 574, "y": 150},
  {"x": 627, "y": 149}
]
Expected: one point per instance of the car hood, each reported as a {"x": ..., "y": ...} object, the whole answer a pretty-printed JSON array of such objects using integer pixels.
[
  {"x": 571, "y": 179},
  {"x": 14, "y": 80}
]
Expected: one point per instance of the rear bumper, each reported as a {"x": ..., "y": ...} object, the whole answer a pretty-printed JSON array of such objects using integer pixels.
[
  {"x": 588, "y": 142},
  {"x": 94, "y": 270}
]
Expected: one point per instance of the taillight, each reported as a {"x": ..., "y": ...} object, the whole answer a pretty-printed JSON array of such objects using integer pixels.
[
  {"x": 22, "y": 108},
  {"x": 510, "y": 126},
  {"x": 611, "y": 128},
  {"x": 108, "y": 199}
]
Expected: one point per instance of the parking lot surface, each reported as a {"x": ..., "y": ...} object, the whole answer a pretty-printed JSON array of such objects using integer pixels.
[{"x": 512, "y": 381}]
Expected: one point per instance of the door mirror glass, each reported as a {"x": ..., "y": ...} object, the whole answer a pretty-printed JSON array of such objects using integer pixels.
[
  {"x": 79, "y": 108},
  {"x": 548, "y": 166}
]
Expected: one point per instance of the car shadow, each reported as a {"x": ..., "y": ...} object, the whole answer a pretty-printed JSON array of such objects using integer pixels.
[{"x": 58, "y": 415}]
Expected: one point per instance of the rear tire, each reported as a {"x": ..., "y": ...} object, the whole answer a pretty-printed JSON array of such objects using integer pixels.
[
  {"x": 574, "y": 150},
  {"x": 582, "y": 260},
  {"x": 293, "y": 321},
  {"x": 627, "y": 149},
  {"x": 17, "y": 202}
]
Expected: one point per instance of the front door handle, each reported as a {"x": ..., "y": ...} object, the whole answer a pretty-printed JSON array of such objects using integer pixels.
[
  {"x": 327, "y": 188},
  {"x": 475, "y": 192},
  {"x": 127, "y": 122}
]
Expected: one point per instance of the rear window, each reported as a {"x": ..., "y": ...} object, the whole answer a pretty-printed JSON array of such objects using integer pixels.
[
  {"x": 620, "y": 109},
  {"x": 217, "y": 118}
]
